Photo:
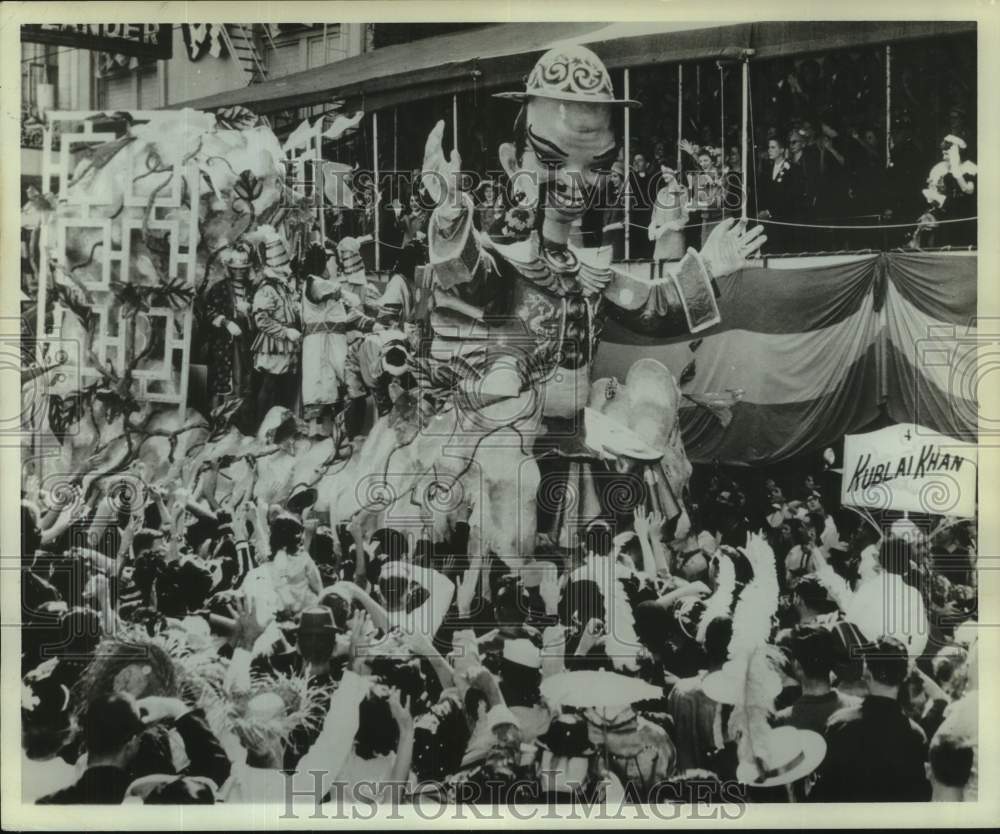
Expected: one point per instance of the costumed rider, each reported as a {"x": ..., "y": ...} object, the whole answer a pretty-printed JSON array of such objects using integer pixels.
[
  {"x": 379, "y": 361},
  {"x": 521, "y": 320},
  {"x": 276, "y": 312},
  {"x": 227, "y": 308},
  {"x": 327, "y": 314}
]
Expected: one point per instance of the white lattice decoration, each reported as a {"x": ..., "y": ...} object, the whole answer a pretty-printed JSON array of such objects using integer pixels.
[{"x": 155, "y": 382}]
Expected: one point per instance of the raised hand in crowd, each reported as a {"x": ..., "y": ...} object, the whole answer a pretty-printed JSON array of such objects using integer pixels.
[
  {"x": 465, "y": 593},
  {"x": 247, "y": 627},
  {"x": 548, "y": 590},
  {"x": 592, "y": 637}
]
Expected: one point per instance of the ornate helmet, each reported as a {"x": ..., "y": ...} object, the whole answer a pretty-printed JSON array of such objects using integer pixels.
[
  {"x": 352, "y": 267},
  {"x": 273, "y": 251},
  {"x": 570, "y": 73},
  {"x": 236, "y": 259}
]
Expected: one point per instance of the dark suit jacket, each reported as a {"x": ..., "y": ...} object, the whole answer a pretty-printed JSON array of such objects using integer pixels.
[
  {"x": 875, "y": 753},
  {"x": 101, "y": 785},
  {"x": 106, "y": 785}
]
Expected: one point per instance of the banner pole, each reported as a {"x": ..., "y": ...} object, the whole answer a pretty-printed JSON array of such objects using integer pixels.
[
  {"x": 376, "y": 184},
  {"x": 680, "y": 115},
  {"x": 744, "y": 140},
  {"x": 888, "y": 106},
  {"x": 628, "y": 169}
]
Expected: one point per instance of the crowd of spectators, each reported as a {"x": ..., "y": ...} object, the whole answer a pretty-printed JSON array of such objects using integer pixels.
[{"x": 179, "y": 653}]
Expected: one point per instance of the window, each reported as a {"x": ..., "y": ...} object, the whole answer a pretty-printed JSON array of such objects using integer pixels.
[
  {"x": 149, "y": 89},
  {"x": 333, "y": 51}
]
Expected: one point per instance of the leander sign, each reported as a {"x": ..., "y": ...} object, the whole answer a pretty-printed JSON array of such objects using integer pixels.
[
  {"x": 911, "y": 468},
  {"x": 142, "y": 40}
]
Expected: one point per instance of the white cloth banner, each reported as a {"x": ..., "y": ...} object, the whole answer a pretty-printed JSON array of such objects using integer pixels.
[{"x": 909, "y": 467}]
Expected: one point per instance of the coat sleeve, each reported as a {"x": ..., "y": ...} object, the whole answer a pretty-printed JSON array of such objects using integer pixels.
[
  {"x": 217, "y": 309},
  {"x": 333, "y": 745},
  {"x": 207, "y": 756},
  {"x": 265, "y": 304}
]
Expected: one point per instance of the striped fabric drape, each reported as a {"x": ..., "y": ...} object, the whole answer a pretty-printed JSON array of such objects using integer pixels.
[{"x": 816, "y": 352}]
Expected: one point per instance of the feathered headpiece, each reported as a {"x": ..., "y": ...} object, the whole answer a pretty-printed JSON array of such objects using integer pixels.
[
  {"x": 720, "y": 604},
  {"x": 748, "y": 680}
]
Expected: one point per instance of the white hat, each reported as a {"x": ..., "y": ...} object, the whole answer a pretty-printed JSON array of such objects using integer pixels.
[
  {"x": 522, "y": 652},
  {"x": 570, "y": 73},
  {"x": 791, "y": 754}
]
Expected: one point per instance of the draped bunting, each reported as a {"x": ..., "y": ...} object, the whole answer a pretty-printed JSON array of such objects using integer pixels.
[{"x": 817, "y": 352}]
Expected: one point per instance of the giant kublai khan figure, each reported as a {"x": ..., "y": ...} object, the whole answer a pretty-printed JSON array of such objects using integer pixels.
[{"x": 515, "y": 325}]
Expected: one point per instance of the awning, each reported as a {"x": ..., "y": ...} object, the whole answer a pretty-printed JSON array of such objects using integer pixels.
[{"x": 501, "y": 54}]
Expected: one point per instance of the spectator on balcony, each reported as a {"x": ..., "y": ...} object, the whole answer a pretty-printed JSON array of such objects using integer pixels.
[
  {"x": 803, "y": 153},
  {"x": 868, "y": 183},
  {"x": 705, "y": 192},
  {"x": 488, "y": 208},
  {"x": 670, "y": 216},
  {"x": 613, "y": 212},
  {"x": 907, "y": 169},
  {"x": 732, "y": 181},
  {"x": 642, "y": 207},
  {"x": 951, "y": 194},
  {"x": 833, "y": 200},
  {"x": 412, "y": 222},
  {"x": 779, "y": 194}
]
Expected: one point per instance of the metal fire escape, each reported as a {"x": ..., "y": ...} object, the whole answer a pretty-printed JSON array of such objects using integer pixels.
[{"x": 241, "y": 42}]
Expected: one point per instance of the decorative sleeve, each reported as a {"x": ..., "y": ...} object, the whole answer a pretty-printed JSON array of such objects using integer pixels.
[
  {"x": 265, "y": 304},
  {"x": 680, "y": 303},
  {"x": 217, "y": 308}
]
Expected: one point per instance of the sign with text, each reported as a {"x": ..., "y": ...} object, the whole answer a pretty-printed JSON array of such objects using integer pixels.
[
  {"x": 141, "y": 40},
  {"x": 910, "y": 468}
]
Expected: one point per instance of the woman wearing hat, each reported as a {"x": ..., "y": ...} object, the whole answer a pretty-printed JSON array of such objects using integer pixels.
[{"x": 670, "y": 216}]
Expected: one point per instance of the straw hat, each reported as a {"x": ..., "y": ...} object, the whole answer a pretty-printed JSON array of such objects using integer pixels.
[
  {"x": 791, "y": 754},
  {"x": 522, "y": 652},
  {"x": 570, "y": 73}
]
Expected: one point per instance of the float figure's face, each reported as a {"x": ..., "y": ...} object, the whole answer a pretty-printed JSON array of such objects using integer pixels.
[{"x": 570, "y": 146}]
